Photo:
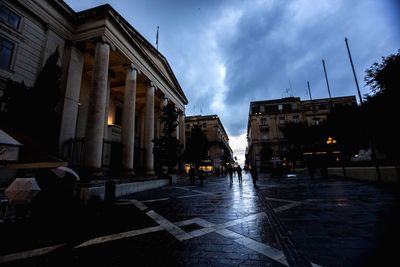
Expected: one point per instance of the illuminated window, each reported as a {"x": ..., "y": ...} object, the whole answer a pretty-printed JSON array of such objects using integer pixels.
[
  {"x": 6, "y": 51},
  {"x": 9, "y": 17}
]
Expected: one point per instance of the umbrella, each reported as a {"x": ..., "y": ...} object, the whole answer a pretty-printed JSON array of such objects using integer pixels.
[
  {"x": 62, "y": 171},
  {"x": 22, "y": 191}
]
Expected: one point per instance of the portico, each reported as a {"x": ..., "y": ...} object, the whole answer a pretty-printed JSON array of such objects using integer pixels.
[{"x": 116, "y": 85}]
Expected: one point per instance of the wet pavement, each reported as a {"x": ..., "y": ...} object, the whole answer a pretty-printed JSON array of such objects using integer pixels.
[{"x": 292, "y": 221}]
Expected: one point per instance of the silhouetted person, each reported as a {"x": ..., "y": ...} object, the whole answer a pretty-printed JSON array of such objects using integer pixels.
[
  {"x": 254, "y": 175},
  {"x": 230, "y": 171},
  {"x": 191, "y": 173},
  {"x": 201, "y": 176},
  {"x": 239, "y": 173},
  {"x": 311, "y": 167}
]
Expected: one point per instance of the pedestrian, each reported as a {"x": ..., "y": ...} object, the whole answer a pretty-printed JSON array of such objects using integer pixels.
[
  {"x": 201, "y": 176},
  {"x": 254, "y": 174},
  {"x": 310, "y": 162},
  {"x": 239, "y": 173},
  {"x": 191, "y": 173},
  {"x": 230, "y": 171}
]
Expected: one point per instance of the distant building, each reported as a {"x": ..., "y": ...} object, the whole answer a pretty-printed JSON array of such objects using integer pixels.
[
  {"x": 113, "y": 86},
  {"x": 267, "y": 119},
  {"x": 219, "y": 152}
]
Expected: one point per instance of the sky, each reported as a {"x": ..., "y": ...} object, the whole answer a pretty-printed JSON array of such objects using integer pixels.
[{"x": 226, "y": 53}]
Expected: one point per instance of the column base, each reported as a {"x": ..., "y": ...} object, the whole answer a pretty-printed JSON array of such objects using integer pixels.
[
  {"x": 128, "y": 172},
  {"x": 150, "y": 172}
]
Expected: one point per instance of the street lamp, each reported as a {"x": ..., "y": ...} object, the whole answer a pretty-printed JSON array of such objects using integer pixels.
[{"x": 330, "y": 141}]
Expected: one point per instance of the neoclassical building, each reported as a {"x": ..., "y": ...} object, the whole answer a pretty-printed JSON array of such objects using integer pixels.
[{"x": 113, "y": 86}]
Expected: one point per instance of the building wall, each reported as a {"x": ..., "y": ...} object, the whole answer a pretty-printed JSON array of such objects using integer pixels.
[{"x": 34, "y": 41}]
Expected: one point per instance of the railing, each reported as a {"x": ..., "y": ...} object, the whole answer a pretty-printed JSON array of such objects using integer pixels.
[
  {"x": 74, "y": 150},
  {"x": 7, "y": 211}
]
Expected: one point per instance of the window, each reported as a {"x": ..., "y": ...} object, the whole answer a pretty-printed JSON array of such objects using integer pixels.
[
  {"x": 296, "y": 118},
  {"x": 281, "y": 120},
  {"x": 323, "y": 106},
  {"x": 263, "y": 121},
  {"x": 9, "y": 17},
  {"x": 280, "y": 107},
  {"x": 187, "y": 126},
  {"x": 6, "y": 51},
  {"x": 262, "y": 109},
  {"x": 255, "y": 110},
  {"x": 204, "y": 125}
]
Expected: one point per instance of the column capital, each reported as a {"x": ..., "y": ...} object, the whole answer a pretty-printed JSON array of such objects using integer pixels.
[
  {"x": 151, "y": 84},
  {"x": 132, "y": 66},
  {"x": 104, "y": 40}
]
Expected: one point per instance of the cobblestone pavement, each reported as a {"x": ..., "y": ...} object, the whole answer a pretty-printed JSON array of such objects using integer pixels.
[{"x": 292, "y": 221}]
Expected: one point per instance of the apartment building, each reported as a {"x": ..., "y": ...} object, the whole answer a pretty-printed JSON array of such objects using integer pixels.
[
  {"x": 219, "y": 152},
  {"x": 267, "y": 120}
]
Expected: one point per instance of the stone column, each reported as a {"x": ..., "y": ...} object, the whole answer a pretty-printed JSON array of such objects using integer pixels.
[
  {"x": 107, "y": 108},
  {"x": 181, "y": 127},
  {"x": 128, "y": 122},
  {"x": 97, "y": 108},
  {"x": 157, "y": 129},
  {"x": 163, "y": 103},
  {"x": 71, "y": 99},
  {"x": 141, "y": 134},
  {"x": 149, "y": 130}
]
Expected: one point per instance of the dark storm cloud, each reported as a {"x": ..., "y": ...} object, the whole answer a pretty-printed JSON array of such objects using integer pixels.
[{"x": 280, "y": 43}]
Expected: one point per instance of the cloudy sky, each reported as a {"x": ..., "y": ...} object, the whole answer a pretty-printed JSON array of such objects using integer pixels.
[{"x": 226, "y": 53}]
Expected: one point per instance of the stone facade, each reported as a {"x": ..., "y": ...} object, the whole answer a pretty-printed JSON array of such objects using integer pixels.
[
  {"x": 219, "y": 151},
  {"x": 267, "y": 119},
  {"x": 113, "y": 86}
]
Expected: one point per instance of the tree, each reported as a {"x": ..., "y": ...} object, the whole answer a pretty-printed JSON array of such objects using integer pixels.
[
  {"x": 384, "y": 81},
  {"x": 345, "y": 124},
  {"x": 33, "y": 112},
  {"x": 384, "y": 78},
  {"x": 167, "y": 150},
  {"x": 196, "y": 146}
]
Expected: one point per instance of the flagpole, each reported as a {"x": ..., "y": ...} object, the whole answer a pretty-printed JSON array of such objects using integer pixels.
[
  {"x": 354, "y": 72},
  {"x": 327, "y": 83},
  {"x": 157, "y": 37},
  {"x": 309, "y": 90}
]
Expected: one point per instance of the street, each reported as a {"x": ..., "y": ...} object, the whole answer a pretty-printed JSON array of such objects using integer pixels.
[{"x": 291, "y": 221}]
